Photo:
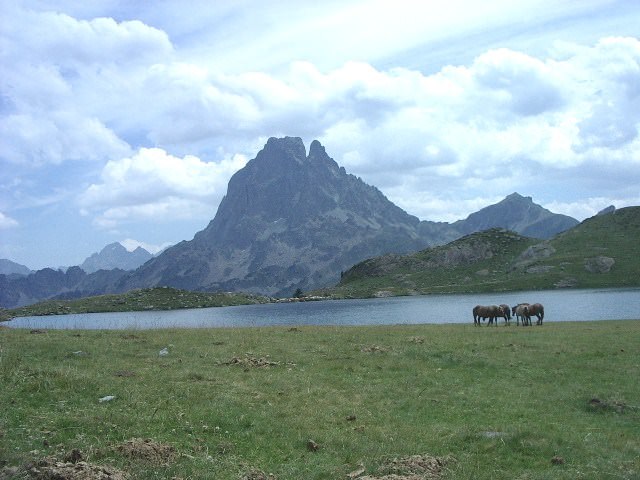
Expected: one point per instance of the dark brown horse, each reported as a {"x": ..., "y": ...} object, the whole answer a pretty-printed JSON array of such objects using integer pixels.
[
  {"x": 538, "y": 310},
  {"x": 483, "y": 312}
]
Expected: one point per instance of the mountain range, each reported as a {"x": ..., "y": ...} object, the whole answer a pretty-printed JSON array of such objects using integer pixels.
[
  {"x": 290, "y": 220},
  {"x": 600, "y": 252},
  {"x": 114, "y": 256}
]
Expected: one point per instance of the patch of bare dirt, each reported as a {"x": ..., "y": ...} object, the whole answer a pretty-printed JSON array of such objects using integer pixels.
[
  {"x": 257, "y": 475},
  {"x": 249, "y": 361},
  {"x": 52, "y": 469},
  {"x": 148, "y": 451},
  {"x": 374, "y": 349},
  {"x": 597, "y": 405},
  {"x": 413, "y": 467}
]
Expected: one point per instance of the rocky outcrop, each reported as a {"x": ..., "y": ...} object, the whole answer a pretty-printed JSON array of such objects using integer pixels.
[
  {"x": 606, "y": 211},
  {"x": 599, "y": 264}
]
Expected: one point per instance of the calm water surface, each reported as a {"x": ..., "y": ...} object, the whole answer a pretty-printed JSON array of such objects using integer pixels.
[{"x": 560, "y": 305}]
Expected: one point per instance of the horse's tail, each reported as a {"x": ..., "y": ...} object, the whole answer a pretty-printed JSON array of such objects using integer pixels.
[{"x": 541, "y": 312}]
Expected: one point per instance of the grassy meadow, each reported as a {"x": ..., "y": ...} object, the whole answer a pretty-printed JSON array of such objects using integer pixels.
[{"x": 558, "y": 401}]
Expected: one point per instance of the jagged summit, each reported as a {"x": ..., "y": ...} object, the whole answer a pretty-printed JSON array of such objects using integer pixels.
[{"x": 289, "y": 220}]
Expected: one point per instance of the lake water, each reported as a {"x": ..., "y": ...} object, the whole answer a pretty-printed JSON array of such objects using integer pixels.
[{"x": 560, "y": 305}]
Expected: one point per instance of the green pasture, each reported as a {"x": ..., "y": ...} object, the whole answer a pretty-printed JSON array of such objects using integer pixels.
[{"x": 558, "y": 401}]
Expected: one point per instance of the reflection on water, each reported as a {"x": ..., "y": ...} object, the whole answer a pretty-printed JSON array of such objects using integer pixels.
[{"x": 560, "y": 305}]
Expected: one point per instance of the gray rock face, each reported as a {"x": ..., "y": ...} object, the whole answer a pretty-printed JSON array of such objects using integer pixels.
[
  {"x": 607, "y": 211},
  {"x": 600, "y": 264}
]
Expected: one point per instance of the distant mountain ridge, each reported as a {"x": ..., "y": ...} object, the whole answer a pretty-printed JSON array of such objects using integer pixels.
[
  {"x": 116, "y": 256},
  {"x": 7, "y": 267},
  {"x": 519, "y": 214},
  {"x": 296, "y": 220}
]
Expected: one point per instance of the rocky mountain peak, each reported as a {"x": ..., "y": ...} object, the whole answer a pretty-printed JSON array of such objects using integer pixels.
[
  {"x": 290, "y": 149},
  {"x": 114, "y": 256},
  {"x": 607, "y": 210},
  {"x": 288, "y": 221},
  {"x": 515, "y": 197},
  {"x": 520, "y": 214},
  {"x": 317, "y": 151}
]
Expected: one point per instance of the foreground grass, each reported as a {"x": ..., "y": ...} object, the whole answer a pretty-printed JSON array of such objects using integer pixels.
[{"x": 498, "y": 402}]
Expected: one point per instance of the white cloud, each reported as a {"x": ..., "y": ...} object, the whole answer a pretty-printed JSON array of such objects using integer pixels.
[
  {"x": 55, "y": 138},
  {"x": 56, "y": 75},
  {"x": 153, "y": 184},
  {"x": 588, "y": 207},
  {"x": 7, "y": 222},
  {"x": 99, "y": 89},
  {"x": 130, "y": 244}
]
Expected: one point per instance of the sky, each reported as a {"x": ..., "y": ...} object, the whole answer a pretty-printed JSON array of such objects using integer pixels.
[{"x": 123, "y": 121}]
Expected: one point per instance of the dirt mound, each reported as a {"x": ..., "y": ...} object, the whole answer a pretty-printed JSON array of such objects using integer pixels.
[
  {"x": 374, "y": 349},
  {"x": 51, "y": 469},
  {"x": 413, "y": 467},
  {"x": 251, "y": 361},
  {"x": 257, "y": 475},
  {"x": 148, "y": 451},
  {"x": 597, "y": 405}
]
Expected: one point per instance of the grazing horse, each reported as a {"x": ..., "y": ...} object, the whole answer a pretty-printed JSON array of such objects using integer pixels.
[
  {"x": 538, "y": 310},
  {"x": 483, "y": 312},
  {"x": 521, "y": 311},
  {"x": 506, "y": 310}
]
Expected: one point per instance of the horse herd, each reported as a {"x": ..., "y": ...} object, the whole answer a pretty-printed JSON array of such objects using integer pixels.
[{"x": 523, "y": 313}]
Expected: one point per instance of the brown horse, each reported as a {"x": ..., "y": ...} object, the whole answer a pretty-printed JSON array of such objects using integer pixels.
[
  {"x": 483, "y": 312},
  {"x": 538, "y": 310},
  {"x": 521, "y": 312}
]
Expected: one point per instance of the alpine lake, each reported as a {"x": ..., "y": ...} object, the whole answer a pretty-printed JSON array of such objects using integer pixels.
[{"x": 560, "y": 305}]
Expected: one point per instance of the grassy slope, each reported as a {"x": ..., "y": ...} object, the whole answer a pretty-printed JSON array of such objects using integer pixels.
[
  {"x": 501, "y": 402},
  {"x": 160, "y": 298},
  {"x": 612, "y": 236}
]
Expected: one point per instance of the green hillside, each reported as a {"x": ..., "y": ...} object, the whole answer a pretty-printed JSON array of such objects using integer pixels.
[
  {"x": 159, "y": 298},
  {"x": 602, "y": 251}
]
